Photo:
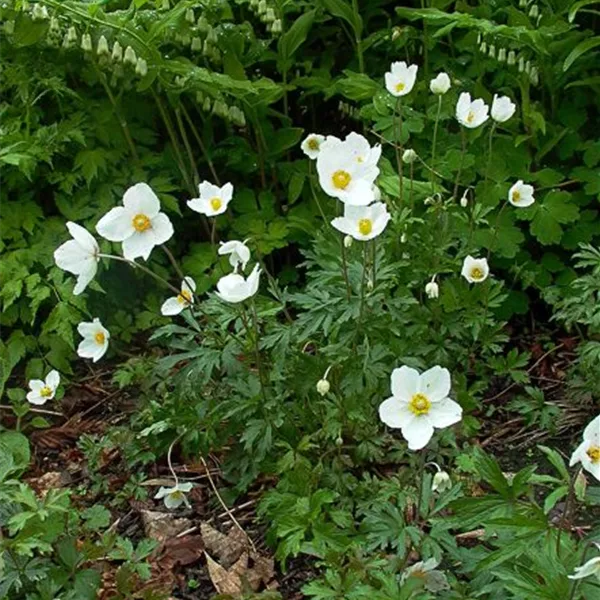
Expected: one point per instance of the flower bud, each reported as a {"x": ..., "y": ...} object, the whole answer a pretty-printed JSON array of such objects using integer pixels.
[
  {"x": 9, "y": 27},
  {"x": 522, "y": 3},
  {"x": 39, "y": 12},
  {"x": 521, "y": 64},
  {"x": 54, "y": 25},
  {"x": 276, "y": 26},
  {"x": 478, "y": 39},
  {"x": 86, "y": 42},
  {"x": 189, "y": 16},
  {"x": 502, "y": 55},
  {"x": 534, "y": 11},
  {"x": 580, "y": 486},
  {"x": 348, "y": 241},
  {"x": 141, "y": 67},
  {"x": 203, "y": 24},
  {"x": 409, "y": 156},
  {"x": 396, "y": 33},
  {"x": 211, "y": 36},
  {"x": 196, "y": 44},
  {"x": 492, "y": 51},
  {"x": 534, "y": 76},
  {"x": 207, "y": 105},
  {"x": 102, "y": 49},
  {"x": 262, "y": 7},
  {"x": 166, "y": 4},
  {"x": 129, "y": 57},
  {"x": 441, "y": 482},
  {"x": 376, "y": 193},
  {"x": 528, "y": 67},
  {"x": 464, "y": 201},
  {"x": 269, "y": 15},
  {"x": 403, "y": 238},
  {"x": 117, "y": 52},
  {"x": 370, "y": 285},
  {"x": 432, "y": 289},
  {"x": 72, "y": 35},
  {"x": 253, "y": 3},
  {"x": 512, "y": 58},
  {"x": 483, "y": 48},
  {"x": 339, "y": 440},
  {"x": 440, "y": 85},
  {"x": 323, "y": 386}
]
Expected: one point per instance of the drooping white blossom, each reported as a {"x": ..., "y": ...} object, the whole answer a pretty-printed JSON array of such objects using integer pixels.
[
  {"x": 213, "y": 199},
  {"x": 175, "y": 496},
  {"x": 521, "y": 194},
  {"x": 139, "y": 224},
  {"x": 235, "y": 288},
  {"x": 239, "y": 253},
  {"x": 419, "y": 403},
  {"x": 79, "y": 256},
  {"x": 433, "y": 580},
  {"x": 441, "y": 84},
  {"x": 42, "y": 391},
  {"x": 176, "y": 304},
  {"x": 95, "y": 340},
  {"x": 588, "y": 569},
  {"x": 502, "y": 108}
]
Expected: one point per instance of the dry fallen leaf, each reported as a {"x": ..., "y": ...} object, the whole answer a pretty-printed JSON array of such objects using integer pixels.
[
  {"x": 161, "y": 526},
  {"x": 227, "y": 548},
  {"x": 227, "y": 581}
]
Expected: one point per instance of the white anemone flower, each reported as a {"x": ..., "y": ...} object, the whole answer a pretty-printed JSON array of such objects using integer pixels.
[
  {"x": 79, "y": 256},
  {"x": 502, "y": 108},
  {"x": 441, "y": 84},
  {"x": 588, "y": 452},
  {"x": 591, "y": 567},
  {"x": 441, "y": 482},
  {"x": 400, "y": 79},
  {"x": 235, "y": 288},
  {"x": 471, "y": 114},
  {"x": 42, "y": 391},
  {"x": 239, "y": 253},
  {"x": 432, "y": 289},
  {"x": 521, "y": 194},
  {"x": 420, "y": 403},
  {"x": 363, "y": 222},
  {"x": 433, "y": 580},
  {"x": 139, "y": 224},
  {"x": 95, "y": 340},
  {"x": 347, "y": 169},
  {"x": 213, "y": 199},
  {"x": 176, "y": 304},
  {"x": 475, "y": 270},
  {"x": 312, "y": 145},
  {"x": 175, "y": 496}
]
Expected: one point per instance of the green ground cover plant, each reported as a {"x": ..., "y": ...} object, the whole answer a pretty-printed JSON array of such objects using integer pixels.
[{"x": 337, "y": 217}]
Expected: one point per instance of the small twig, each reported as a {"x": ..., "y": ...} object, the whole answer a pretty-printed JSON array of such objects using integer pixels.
[
  {"x": 225, "y": 507},
  {"x": 34, "y": 410}
]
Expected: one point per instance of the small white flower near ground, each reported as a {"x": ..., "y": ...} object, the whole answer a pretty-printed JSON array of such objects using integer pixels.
[
  {"x": 502, "y": 108},
  {"x": 42, "y": 391},
  {"x": 433, "y": 580},
  {"x": 432, "y": 289},
  {"x": 475, "y": 270},
  {"x": 590, "y": 568},
  {"x": 175, "y": 496},
  {"x": 441, "y": 482},
  {"x": 95, "y": 340}
]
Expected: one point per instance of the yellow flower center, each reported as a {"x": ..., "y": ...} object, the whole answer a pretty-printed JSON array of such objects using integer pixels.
[
  {"x": 594, "y": 453},
  {"x": 476, "y": 273},
  {"x": 365, "y": 226},
  {"x": 216, "y": 203},
  {"x": 360, "y": 159},
  {"x": 516, "y": 196},
  {"x": 177, "y": 495},
  {"x": 470, "y": 117},
  {"x": 400, "y": 86},
  {"x": 185, "y": 297},
  {"x": 341, "y": 179},
  {"x": 419, "y": 404},
  {"x": 141, "y": 222},
  {"x": 313, "y": 144},
  {"x": 99, "y": 337},
  {"x": 46, "y": 392}
]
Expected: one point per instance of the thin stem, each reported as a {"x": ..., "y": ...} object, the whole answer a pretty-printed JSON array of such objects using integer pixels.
[
  {"x": 40, "y": 411},
  {"x": 463, "y": 139},
  {"x": 420, "y": 475},
  {"x": 188, "y": 148},
  {"x": 363, "y": 285},
  {"x": 495, "y": 236},
  {"x": 254, "y": 336},
  {"x": 169, "y": 461},
  {"x": 200, "y": 143},
  {"x": 374, "y": 266},
  {"x": 489, "y": 160},
  {"x": 568, "y": 501},
  {"x": 411, "y": 196},
  {"x": 434, "y": 143},
  {"x": 398, "y": 146},
  {"x": 345, "y": 266},
  {"x": 314, "y": 194}
]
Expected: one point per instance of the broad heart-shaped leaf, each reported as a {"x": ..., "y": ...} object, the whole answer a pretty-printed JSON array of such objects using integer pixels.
[{"x": 555, "y": 210}]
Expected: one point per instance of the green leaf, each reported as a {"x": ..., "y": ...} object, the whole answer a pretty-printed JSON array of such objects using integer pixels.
[
  {"x": 16, "y": 445},
  {"x": 343, "y": 10},
  {"x": 579, "y": 50},
  {"x": 291, "y": 40},
  {"x": 553, "y": 212},
  {"x": 557, "y": 461},
  {"x": 283, "y": 139},
  {"x": 577, "y": 5}
]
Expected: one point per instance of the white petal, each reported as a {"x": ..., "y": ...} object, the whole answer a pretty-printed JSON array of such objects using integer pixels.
[
  {"x": 87, "y": 329},
  {"x": 36, "y": 398},
  {"x": 116, "y": 225},
  {"x": 592, "y": 431},
  {"x": 70, "y": 257},
  {"x": 162, "y": 492},
  {"x": 53, "y": 379},
  {"x": 173, "y": 501},
  {"x": 435, "y": 383},
  {"x": 87, "y": 348},
  {"x": 227, "y": 193},
  {"x": 209, "y": 190},
  {"x": 395, "y": 413},
  {"x": 172, "y": 306},
  {"x": 345, "y": 226},
  {"x": 444, "y": 413},
  {"x": 83, "y": 237},
  {"x": 84, "y": 278},
  {"x": 418, "y": 432},
  {"x": 405, "y": 383},
  {"x": 186, "y": 486},
  {"x": 36, "y": 385},
  {"x": 188, "y": 285},
  {"x": 162, "y": 228},
  {"x": 253, "y": 281},
  {"x": 360, "y": 194},
  {"x": 140, "y": 244},
  {"x": 580, "y": 451},
  {"x": 140, "y": 199},
  {"x": 100, "y": 350}
]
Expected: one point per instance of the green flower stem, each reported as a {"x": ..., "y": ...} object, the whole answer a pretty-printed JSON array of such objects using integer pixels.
[
  {"x": 314, "y": 194},
  {"x": 576, "y": 582},
  {"x": 188, "y": 148},
  {"x": 398, "y": 146},
  {"x": 420, "y": 477},
  {"x": 201, "y": 145},
  {"x": 495, "y": 236},
  {"x": 357, "y": 38},
  {"x": 345, "y": 266},
  {"x": 363, "y": 284},
  {"x": 374, "y": 267},
  {"x": 565, "y": 516},
  {"x": 254, "y": 335},
  {"x": 411, "y": 195},
  {"x": 489, "y": 160},
  {"x": 463, "y": 139},
  {"x": 434, "y": 143}
]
